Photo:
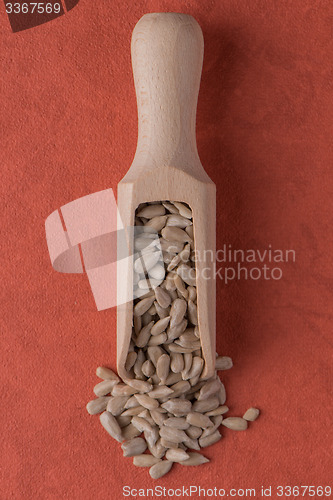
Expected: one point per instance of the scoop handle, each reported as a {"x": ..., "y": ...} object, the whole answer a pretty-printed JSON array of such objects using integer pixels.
[{"x": 167, "y": 54}]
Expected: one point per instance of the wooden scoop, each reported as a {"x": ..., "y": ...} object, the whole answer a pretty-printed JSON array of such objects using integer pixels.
[{"x": 167, "y": 54}]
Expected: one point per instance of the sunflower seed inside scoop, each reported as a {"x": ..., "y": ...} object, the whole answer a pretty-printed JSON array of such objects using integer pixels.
[
  {"x": 151, "y": 211},
  {"x": 144, "y": 335},
  {"x": 187, "y": 274},
  {"x": 157, "y": 223},
  {"x": 178, "y": 221},
  {"x": 148, "y": 368},
  {"x": 143, "y": 305},
  {"x": 162, "y": 367},
  {"x": 173, "y": 233},
  {"x": 160, "y": 326},
  {"x": 178, "y": 310}
]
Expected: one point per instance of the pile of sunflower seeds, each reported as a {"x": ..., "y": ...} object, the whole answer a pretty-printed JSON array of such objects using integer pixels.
[{"x": 165, "y": 406}]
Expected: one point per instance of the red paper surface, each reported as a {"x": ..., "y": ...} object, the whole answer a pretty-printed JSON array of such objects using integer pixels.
[{"x": 264, "y": 128}]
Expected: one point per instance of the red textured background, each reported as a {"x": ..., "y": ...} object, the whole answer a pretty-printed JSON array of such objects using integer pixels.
[{"x": 265, "y": 124}]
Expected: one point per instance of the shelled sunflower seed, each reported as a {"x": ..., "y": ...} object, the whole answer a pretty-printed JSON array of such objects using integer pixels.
[{"x": 165, "y": 405}]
